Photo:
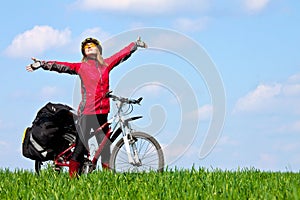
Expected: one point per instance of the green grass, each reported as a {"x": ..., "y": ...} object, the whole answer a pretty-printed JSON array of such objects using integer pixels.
[{"x": 172, "y": 184}]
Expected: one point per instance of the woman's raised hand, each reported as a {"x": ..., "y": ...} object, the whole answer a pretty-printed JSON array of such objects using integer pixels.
[
  {"x": 141, "y": 43},
  {"x": 34, "y": 66}
]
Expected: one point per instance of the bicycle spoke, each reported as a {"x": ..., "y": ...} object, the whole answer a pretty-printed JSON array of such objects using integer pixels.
[{"x": 148, "y": 154}]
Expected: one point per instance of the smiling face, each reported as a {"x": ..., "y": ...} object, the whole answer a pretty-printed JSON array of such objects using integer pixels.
[{"x": 90, "y": 49}]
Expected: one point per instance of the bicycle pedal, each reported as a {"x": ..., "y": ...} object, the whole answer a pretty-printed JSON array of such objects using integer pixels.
[
  {"x": 57, "y": 169},
  {"x": 88, "y": 167}
]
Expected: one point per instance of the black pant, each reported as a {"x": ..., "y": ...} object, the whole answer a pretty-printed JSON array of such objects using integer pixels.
[{"x": 85, "y": 124}]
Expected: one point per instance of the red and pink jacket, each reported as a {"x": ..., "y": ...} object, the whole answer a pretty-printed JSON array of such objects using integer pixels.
[{"x": 94, "y": 79}]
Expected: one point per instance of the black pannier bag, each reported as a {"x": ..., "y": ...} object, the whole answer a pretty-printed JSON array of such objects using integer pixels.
[{"x": 51, "y": 132}]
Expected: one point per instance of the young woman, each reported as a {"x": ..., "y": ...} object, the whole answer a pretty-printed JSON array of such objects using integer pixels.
[{"x": 94, "y": 107}]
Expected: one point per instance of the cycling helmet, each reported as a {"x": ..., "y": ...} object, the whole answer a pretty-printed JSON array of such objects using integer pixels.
[{"x": 90, "y": 40}]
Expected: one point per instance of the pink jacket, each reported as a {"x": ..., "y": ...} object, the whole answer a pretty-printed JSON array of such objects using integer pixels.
[{"x": 94, "y": 79}]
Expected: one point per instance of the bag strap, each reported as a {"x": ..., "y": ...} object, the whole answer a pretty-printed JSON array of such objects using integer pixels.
[{"x": 37, "y": 146}]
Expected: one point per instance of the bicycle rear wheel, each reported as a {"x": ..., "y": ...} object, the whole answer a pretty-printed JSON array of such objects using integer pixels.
[
  {"x": 45, "y": 165},
  {"x": 149, "y": 152}
]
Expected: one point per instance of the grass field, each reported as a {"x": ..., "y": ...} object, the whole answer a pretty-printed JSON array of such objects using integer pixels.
[{"x": 171, "y": 184}]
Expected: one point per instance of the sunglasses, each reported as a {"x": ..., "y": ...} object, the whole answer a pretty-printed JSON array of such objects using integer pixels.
[{"x": 89, "y": 45}]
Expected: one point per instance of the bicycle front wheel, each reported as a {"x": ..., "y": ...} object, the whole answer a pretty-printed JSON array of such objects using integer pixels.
[{"x": 148, "y": 151}]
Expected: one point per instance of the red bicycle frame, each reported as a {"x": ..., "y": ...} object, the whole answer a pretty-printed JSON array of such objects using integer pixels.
[
  {"x": 103, "y": 142},
  {"x": 61, "y": 160}
]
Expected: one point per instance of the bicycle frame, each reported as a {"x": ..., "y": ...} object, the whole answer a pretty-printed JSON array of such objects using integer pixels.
[
  {"x": 121, "y": 126},
  {"x": 62, "y": 159}
]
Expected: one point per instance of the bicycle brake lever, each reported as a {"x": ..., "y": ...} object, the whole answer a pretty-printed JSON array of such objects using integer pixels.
[
  {"x": 139, "y": 100},
  {"x": 108, "y": 93}
]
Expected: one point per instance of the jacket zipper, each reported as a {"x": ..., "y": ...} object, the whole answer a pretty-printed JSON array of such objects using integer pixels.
[{"x": 99, "y": 70}]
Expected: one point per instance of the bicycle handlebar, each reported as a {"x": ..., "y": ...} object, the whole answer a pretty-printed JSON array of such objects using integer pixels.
[{"x": 123, "y": 99}]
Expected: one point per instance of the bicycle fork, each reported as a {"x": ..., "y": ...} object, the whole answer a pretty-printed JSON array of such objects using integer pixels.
[{"x": 129, "y": 143}]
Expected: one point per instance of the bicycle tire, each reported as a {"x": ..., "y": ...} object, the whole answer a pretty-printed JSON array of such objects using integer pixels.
[
  {"x": 149, "y": 150},
  {"x": 40, "y": 165}
]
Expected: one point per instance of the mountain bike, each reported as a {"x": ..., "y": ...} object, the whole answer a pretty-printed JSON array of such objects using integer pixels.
[{"x": 134, "y": 152}]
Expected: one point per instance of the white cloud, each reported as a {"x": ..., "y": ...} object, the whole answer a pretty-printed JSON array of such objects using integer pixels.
[
  {"x": 166, "y": 41},
  {"x": 202, "y": 113},
  {"x": 191, "y": 25},
  {"x": 205, "y": 112},
  {"x": 277, "y": 98},
  {"x": 226, "y": 140},
  {"x": 287, "y": 147},
  {"x": 256, "y": 5},
  {"x": 165, "y": 7},
  {"x": 291, "y": 89},
  {"x": 152, "y": 89},
  {"x": 143, "y": 6},
  {"x": 261, "y": 98},
  {"x": 293, "y": 127},
  {"x": 37, "y": 40},
  {"x": 96, "y": 33},
  {"x": 294, "y": 78},
  {"x": 173, "y": 153}
]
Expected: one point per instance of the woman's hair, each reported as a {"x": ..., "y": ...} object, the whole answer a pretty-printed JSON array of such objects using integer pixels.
[{"x": 99, "y": 58}]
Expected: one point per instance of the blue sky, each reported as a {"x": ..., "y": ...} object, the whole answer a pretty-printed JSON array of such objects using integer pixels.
[{"x": 254, "y": 45}]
